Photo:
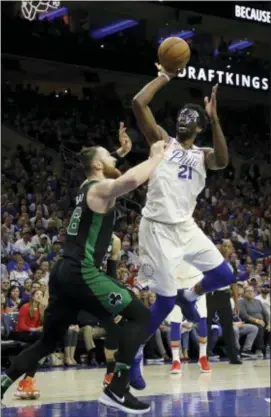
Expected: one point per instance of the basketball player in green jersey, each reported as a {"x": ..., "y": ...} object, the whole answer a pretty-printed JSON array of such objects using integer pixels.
[{"x": 76, "y": 282}]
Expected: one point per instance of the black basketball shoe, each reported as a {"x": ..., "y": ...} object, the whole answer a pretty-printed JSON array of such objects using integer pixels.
[{"x": 127, "y": 403}]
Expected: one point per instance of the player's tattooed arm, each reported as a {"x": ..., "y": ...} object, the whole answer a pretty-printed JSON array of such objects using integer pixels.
[
  {"x": 143, "y": 114},
  {"x": 216, "y": 158}
]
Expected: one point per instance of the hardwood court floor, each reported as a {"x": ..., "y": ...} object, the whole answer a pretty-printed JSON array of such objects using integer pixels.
[{"x": 229, "y": 391}]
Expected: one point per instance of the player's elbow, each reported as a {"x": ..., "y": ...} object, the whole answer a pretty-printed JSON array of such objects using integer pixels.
[
  {"x": 222, "y": 162},
  {"x": 137, "y": 103}
]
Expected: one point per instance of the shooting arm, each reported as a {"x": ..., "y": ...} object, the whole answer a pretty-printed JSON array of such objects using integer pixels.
[{"x": 145, "y": 119}]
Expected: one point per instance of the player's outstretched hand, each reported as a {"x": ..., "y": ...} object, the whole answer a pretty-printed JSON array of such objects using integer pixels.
[
  {"x": 158, "y": 150},
  {"x": 210, "y": 103}
]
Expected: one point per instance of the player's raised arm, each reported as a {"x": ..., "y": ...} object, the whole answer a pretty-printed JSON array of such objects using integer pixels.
[
  {"x": 216, "y": 158},
  {"x": 143, "y": 114},
  {"x": 125, "y": 143},
  {"x": 110, "y": 189}
]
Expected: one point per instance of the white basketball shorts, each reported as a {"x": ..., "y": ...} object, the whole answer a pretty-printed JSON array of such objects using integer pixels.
[{"x": 162, "y": 247}]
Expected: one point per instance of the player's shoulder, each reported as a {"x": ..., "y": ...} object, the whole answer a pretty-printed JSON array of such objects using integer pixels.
[{"x": 99, "y": 187}]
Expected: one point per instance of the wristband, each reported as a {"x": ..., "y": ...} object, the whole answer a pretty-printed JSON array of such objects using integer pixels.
[{"x": 162, "y": 74}]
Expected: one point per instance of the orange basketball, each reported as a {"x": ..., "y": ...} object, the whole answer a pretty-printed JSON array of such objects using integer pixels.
[{"x": 173, "y": 54}]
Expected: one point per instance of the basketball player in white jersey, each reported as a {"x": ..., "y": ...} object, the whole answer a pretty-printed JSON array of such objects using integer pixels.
[
  {"x": 187, "y": 276},
  {"x": 168, "y": 233}
]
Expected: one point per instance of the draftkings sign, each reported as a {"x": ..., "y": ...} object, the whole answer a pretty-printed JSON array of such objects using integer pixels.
[{"x": 229, "y": 78}]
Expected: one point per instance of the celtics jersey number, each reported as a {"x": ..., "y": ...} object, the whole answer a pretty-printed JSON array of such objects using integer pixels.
[{"x": 74, "y": 222}]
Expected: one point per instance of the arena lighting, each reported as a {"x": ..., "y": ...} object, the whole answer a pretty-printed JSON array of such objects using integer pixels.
[
  {"x": 184, "y": 34},
  {"x": 54, "y": 14},
  {"x": 113, "y": 28},
  {"x": 234, "y": 46}
]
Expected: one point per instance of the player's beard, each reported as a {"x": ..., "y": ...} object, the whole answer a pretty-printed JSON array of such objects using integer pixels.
[
  {"x": 188, "y": 134},
  {"x": 111, "y": 172}
]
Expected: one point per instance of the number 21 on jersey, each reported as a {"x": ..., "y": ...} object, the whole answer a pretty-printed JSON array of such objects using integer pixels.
[{"x": 185, "y": 172}]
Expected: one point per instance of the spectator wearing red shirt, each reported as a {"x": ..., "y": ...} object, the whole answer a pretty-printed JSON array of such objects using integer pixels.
[{"x": 29, "y": 323}]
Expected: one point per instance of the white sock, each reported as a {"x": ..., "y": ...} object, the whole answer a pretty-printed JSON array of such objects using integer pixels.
[
  {"x": 191, "y": 295},
  {"x": 175, "y": 354},
  {"x": 202, "y": 349}
]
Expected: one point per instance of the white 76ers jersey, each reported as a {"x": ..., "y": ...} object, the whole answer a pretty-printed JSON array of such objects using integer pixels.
[{"x": 175, "y": 184}]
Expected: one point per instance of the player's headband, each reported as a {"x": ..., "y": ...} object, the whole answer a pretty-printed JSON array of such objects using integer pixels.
[{"x": 187, "y": 116}]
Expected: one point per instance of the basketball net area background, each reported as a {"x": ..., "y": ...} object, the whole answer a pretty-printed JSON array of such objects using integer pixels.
[{"x": 31, "y": 9}]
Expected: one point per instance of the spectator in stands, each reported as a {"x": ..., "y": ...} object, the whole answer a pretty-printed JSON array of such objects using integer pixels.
[
  {"x": 91, "y": 331},
  {"x": 243, "y": 330},
  {"x": 127, "y": 250},
  {"x": 40, "y": 255},
  {"x": 23, "y": 246},
  {"x": 39, "y": 217},
  {"x": 35, "y": 241},
  {"x": 18, "y": 275},
  {"x": 13, "y": 262},
  {"x": 55, "y": 253},
  {"x": 27, "y": 291},
  {"x": 6, "y": 245},
  {"x": 5, "y": 286},
  {"x": 4, "y": 306},
  {"x": 38, "y": 275},
  {"x": 44, "y": 244},
  {"x": 9, "y": 227},
  {"x": 44, "y": 267},
  {"x": 30, "y": 317},
  {"x": 252, "y": 311},
  {"x": 35, "y": 286},
  {"x": 264, "y": 297},
  {"x": 14, "y": 297},
  {"x": 123, "y": 275},
  {"x": 70, "y": 343}
]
